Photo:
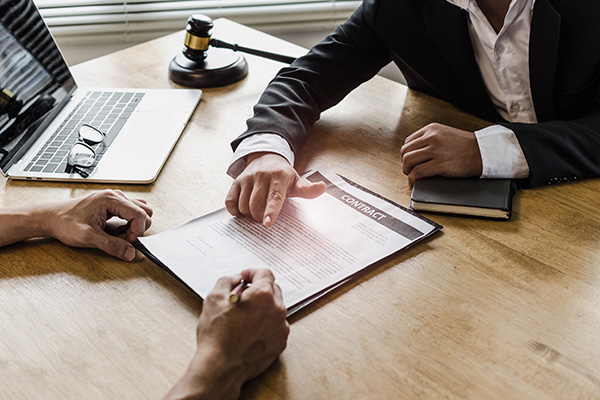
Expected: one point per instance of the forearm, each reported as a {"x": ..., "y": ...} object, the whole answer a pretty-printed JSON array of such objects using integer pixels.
[
  {"x": 209, "y": 376},
  {"x": 23, "y": 222}
]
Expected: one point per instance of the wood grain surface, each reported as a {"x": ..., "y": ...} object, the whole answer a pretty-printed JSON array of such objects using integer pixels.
[{"x": 483, "y": 310}]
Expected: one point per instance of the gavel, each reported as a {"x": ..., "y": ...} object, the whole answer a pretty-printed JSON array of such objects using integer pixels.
[{"x": 203, "y": 64}]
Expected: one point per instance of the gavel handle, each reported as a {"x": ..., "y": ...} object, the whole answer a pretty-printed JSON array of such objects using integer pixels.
[{"x": 260, "y": 53}]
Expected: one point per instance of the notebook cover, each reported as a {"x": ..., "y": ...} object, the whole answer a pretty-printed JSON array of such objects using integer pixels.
[{"x": 465, "y": 192}]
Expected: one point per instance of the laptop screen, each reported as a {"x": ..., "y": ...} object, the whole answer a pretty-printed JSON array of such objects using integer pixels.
[{"x": 34, "y": 78}]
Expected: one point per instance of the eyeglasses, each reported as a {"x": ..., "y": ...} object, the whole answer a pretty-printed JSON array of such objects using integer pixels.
[{"x": 82, "y": 154}]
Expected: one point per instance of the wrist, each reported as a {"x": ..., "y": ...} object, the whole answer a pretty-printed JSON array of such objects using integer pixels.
[
  {"x": 44, "y": 220},
  {"x": 210, "y": 375},
  {"x": 253, "y": 156},
  {"x": 20, "y": 223},
  {"x": 501, "y": 153}
]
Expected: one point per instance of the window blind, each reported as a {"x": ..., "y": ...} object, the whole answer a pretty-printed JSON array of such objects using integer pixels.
[{"x": 74, "y": 18}]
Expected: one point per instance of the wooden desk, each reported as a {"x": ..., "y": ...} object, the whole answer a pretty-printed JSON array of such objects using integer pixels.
[{"x": 484, "y": 310}]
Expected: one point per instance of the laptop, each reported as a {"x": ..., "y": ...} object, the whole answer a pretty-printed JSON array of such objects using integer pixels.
[{"x": 42, "y": 111}]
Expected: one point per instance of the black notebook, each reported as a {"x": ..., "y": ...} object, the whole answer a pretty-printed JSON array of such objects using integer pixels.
[{"x": 489, "y": 198}]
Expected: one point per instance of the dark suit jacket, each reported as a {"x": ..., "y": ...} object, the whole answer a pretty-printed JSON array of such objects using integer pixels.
[{"x": 429, "y": 41}]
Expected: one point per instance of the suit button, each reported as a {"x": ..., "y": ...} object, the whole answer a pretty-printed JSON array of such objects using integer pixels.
[{"x": 553, "y": 181}]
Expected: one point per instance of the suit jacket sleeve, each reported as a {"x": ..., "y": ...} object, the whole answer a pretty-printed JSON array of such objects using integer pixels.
[
  {"x": 560, "y": 151},
  {"x": 565, "y": 81},
  {"x": 295, "y": 98},
  {"x": 564, "y": 66}
]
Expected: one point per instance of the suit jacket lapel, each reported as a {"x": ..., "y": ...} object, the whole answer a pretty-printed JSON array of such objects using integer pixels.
[
  {"x": 543, "y": 53},
  {"x": 448, "y": 27}
]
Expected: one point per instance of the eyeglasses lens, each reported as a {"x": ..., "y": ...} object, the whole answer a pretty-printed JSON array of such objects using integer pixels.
[
  {"x": 90, "y": 135},
  {"x": 82, "y": 156}
]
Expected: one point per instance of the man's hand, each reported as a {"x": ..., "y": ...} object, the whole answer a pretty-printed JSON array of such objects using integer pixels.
[
  {"x": 236, "y": 342},
  {"x": 82, "y": 222},
  {"x": 441, "y": 150},
  {"x": 260, "y": 190}
]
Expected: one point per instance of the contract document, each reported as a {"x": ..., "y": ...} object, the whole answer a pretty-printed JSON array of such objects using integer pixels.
[{"x": 314, "y": 246}]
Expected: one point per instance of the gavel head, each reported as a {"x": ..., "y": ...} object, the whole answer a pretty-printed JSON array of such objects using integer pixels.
[
  {"x": 202, "y": 65},
  {"x": 197, "y": 36}
]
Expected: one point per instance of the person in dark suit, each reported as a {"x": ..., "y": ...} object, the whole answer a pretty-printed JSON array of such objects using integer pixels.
[{"x": 531, "y": 67}]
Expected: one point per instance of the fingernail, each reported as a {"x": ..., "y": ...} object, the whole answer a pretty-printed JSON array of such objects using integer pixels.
[
  {"x": 129, "y": 254},
  {"x": 267, "y": 220}
]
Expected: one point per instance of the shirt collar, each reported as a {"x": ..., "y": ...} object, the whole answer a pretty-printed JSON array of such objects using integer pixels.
[{"x": 464, "y": 4}]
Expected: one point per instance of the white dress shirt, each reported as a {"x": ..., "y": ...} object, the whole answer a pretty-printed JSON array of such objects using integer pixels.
[{"x": 503, "y": 60}]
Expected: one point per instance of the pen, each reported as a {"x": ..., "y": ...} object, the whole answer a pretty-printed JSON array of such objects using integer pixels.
[{"x": 236, "y": 292}]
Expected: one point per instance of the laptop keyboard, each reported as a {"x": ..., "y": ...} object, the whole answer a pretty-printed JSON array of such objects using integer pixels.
[{"x": 106, "y": 111}]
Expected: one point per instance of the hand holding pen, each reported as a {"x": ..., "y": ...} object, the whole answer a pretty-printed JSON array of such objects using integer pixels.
[{"x": 236, "y": 342}]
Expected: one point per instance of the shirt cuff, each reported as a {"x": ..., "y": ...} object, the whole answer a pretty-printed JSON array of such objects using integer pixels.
[
  {"x": 501, "y": 154},
  {"x": 260, "y": 142}
]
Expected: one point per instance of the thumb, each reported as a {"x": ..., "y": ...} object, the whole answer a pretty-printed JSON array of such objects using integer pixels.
[
  {"x": 115, "y": 246},
  {"x": 307, "y": 189}
]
